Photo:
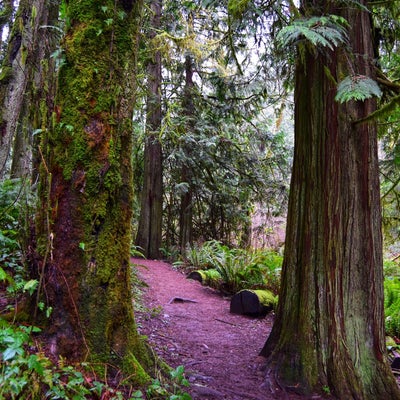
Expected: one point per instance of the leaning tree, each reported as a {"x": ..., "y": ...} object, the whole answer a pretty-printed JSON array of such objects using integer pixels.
[
  {"x": 84, "y": 227},
  {"x": 329, "y": 329}
]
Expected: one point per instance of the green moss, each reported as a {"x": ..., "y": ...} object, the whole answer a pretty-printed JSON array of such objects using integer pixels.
[
  {"x": 208, "y": 277},
  {"x": 90, "y": 141},
  {"x": 5, "y": 74},
  {"x": 266, "y": 297},
  {"x": 135, "y": 370}
]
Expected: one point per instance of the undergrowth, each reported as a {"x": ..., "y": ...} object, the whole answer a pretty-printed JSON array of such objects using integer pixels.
[
  {"x": 26, "y": 372},
  {"x": 238, "y": 268},
  {"x": 260, "y": 269}
]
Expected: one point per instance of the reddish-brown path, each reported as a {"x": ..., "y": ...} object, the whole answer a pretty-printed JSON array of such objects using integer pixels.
[{"x": 219, "y": 350}]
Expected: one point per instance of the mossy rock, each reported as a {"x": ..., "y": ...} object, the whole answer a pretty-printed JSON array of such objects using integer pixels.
[
  {"x": 253, "y": 302},
  {"x": 208, "y": 277}
]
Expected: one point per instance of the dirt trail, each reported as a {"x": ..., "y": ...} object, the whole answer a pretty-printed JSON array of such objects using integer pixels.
[{"x": 219, "y": 350}]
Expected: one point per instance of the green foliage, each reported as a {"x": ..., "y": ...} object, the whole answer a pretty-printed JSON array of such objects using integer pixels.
[
  {"x": 26, "y": 373},
  {"x": 171, "y": 391},
  {"x": 14, "y": 205},
  {"x": 325, "y": 31},
  {"x": 237, "y": 268},
  {"x": 392, "y": 297},
  {"x": 358, "y": 88},
  {"x": 392, "y": 306},
  {"x": 32, "y": 375}
]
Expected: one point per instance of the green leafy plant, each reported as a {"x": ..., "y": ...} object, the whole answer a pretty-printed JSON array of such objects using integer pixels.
[
  {"x": 392, "y": 306},
  {"x": 172, "y": 390},
  {"x": 235, "y": 269},
  {"x": 26, "y": 373},
  {"x": 325, "y": 31},
  {"x": 358, "y": 88},
  {"x": 14, "y": 208}
]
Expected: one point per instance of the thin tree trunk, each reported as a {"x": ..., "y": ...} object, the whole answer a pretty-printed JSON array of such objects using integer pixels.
[
  {"x": 186, "y": 206},
  {"x": 86, "y": 269},
  {"x": 150, "y": 223},
  {"x": 329, "y": 330}
]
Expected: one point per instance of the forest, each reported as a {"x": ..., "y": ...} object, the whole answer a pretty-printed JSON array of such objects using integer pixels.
[{"x": 253, "y": 146}]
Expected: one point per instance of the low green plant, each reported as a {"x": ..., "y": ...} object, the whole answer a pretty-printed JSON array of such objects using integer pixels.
[
  {"x": 237, "y": 268},
  {"x": 392, "y": 306},
  {"x": 172, "y": 390},
  {"x": 26, "y": 373}
]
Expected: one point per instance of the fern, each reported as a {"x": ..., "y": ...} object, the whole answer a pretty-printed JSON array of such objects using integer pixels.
[
  {"x": 384, "y": 111},
  {"x": 326, "y": 31},
  {"x": 358, "y": 88}
]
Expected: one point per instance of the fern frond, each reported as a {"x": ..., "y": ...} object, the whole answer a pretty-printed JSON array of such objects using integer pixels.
[
  {"x": 358, "y": 88},
  {"x": 326, "y": 31}
]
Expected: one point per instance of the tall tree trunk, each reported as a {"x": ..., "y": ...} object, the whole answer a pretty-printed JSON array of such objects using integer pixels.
[
  {"x": 150, "y": 223},
  {"x": 329, "y": 329},
  {"x": 186, "y": 206},
  {"x": 86, "y": 270}
]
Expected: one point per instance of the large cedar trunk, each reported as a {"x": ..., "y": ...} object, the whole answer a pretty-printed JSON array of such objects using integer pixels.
[
  {"x": 150, "y": 223},
  {"x": 86, "y": 271},
  {"x": 329, "y": 328}
]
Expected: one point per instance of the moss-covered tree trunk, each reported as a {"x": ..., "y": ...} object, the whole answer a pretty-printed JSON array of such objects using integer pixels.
[
  {"x": 86, "y": 271},
  {"x": 150, "y": 223},
  {"x": 329, "y": 329}
]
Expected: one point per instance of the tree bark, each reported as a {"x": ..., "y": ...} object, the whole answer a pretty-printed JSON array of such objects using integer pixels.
[
  {"x": 86, "y": 269},
  {"x": 186, "y": 206},
  {"x": 329, "y": 329},
  {"x": 150, "y": 222},
  {"x": 6, "y": 11},
  {"x": 14, "y": 76}
]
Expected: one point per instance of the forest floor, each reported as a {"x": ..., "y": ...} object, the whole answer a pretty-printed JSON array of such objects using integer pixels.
[{"x": 189, "y": 324}]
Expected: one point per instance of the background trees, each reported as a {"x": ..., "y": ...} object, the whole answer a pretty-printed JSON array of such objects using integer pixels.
[{"x": 215, "y": 126}]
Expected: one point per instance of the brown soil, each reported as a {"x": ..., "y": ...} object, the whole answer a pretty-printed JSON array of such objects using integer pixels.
[{"x": 189, "y": 324}]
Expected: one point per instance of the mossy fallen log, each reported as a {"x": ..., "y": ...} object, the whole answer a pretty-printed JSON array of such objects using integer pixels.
[
  {"x": 207, "y": 277},
  {"x": 253, "y": 302}
]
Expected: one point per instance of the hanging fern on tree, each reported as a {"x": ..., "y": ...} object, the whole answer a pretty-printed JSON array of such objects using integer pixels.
[
  {"x": 358, "y": 88},
  {"x": 326, "y": 31}
]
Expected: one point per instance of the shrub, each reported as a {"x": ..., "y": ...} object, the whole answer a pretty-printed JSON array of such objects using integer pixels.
[
  {"x": 392, "y": 306},
  {"x": 239, "y": 269}
]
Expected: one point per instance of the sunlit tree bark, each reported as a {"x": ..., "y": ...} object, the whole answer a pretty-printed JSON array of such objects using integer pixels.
[{"x": 329, "y": 329}]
